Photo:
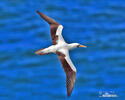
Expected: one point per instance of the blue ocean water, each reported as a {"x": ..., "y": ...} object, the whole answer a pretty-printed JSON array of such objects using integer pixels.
[{"x": 98, "y": 24}]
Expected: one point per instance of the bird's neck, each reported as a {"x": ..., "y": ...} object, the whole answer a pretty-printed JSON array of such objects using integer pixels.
[{"x": 72, "y": 46}]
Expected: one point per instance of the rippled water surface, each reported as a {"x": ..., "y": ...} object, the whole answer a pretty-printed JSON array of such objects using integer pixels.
[{"x": 99, "y": 24}]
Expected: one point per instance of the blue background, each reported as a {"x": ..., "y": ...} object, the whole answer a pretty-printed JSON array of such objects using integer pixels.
[{"x": 99, "y": 24}]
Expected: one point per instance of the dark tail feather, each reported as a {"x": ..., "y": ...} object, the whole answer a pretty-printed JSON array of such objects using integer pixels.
[{"x": 48, "y": 19}]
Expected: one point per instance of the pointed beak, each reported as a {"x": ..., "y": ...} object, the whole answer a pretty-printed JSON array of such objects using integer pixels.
[{"x": 82, "y": 46}]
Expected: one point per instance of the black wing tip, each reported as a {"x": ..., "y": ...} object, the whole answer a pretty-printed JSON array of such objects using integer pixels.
[
  {"x": 38, "y": 11},
  {"x": 68, "y": 95},
  {"x": 47, "y": 18}
]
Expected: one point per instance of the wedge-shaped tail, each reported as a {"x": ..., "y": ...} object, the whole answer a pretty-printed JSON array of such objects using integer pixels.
[{"x": 41, "y": 52}]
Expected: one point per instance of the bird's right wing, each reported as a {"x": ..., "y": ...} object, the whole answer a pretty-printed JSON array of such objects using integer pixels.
[
  {"x": 55, "y": 28},
  {"x": 69, "y": 70}
]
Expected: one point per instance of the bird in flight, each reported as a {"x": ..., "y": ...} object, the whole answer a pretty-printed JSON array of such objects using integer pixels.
[{"x": 61, "y": 48}]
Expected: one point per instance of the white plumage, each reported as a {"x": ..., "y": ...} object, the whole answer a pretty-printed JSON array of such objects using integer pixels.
[{"x": 61, "y": 48}]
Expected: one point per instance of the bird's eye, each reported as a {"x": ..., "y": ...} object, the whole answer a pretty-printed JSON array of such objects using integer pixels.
[{"x": 78, "y": 45}]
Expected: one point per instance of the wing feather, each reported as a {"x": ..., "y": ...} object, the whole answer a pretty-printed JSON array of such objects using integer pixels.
[
  {"x": 70, "y": 73},
  {"x": 54, "y": 28}
]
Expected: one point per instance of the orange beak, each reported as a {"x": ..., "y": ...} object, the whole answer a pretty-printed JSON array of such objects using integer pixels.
[{"x": 82, "y": 46}]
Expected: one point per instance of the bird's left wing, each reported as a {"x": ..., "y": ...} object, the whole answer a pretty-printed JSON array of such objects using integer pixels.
[
  {"x": 55, "y": 28},
  {"x": 69, "y": 69}
]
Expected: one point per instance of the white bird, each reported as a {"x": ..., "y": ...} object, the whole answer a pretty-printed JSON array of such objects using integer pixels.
[{"x": 61, "y": 48}]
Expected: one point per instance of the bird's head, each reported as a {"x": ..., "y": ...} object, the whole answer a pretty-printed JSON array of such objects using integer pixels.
[
  {"x": 74, "y": 45},
  {"x": 80, "y": 45}
]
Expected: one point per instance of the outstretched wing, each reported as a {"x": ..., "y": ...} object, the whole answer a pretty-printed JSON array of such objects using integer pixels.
[
  {"x": 70, "y": 71},
  {"x": 55, "y": 28}
]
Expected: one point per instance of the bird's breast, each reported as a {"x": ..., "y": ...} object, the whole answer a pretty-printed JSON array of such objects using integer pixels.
[{"x": 62, "y": 46}]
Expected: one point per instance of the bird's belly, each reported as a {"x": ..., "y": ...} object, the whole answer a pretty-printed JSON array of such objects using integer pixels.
[
  {"x": 58, "y": 47},
  {"x": 61, "y": 46}
]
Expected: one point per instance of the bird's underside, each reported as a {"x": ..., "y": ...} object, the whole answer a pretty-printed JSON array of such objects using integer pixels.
[{"x": 63, "y": 54}]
